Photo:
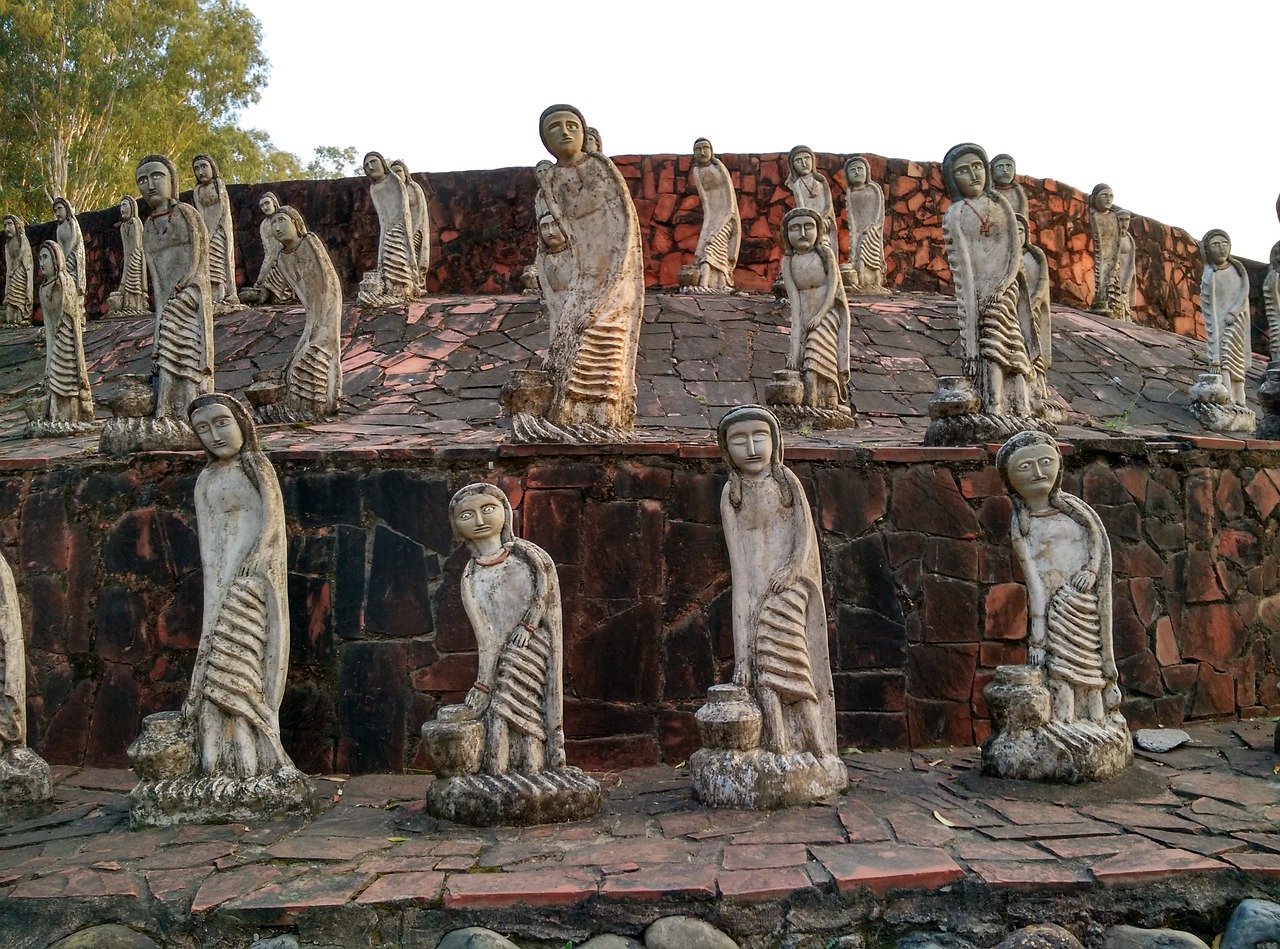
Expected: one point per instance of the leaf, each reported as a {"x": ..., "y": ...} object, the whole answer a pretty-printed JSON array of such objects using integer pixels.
[
  {"x": 943, "y": 821},
  {"x": 397, "y": 840},
  {"x": 935, "y": 762}
]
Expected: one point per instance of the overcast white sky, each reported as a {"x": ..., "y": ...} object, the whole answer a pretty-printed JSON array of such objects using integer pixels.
[{"x": 1176, "y": 109}]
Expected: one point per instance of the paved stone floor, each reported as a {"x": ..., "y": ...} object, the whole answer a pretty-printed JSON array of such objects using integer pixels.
[{"x": 1200, "y": 825}]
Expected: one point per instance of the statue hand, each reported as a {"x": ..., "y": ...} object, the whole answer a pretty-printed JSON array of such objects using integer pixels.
[
  {"x": 1035, "y": 657},
  {"x": 742, "y": 675},
  {"x": 1084, "y": 581},
  {"x": 476, "y": 700},
  {"x": 779, "y": 582},
  {"x": 520, "y": 638},
  {"x": 969, "y": 365}
]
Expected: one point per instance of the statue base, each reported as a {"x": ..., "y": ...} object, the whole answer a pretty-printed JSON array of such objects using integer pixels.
[
  {"x": 1060, "y": 752},
  {"x": 515, "y": 800},
  {"x": 218, "y": 799},
  {"x": 126, "y": 436},
  {"x": 979, "y": 428},
  {"x": 1268, "y": 428},
  {"x": 763, "y": 780},
  {"x": 1232, "y": 418},
  {"x": 25, "y": 778},
  {"x": 223, "y": 307},
  {"x": 49, "y": 428},
  {"x": 527, "y": 428},
  {"x": 373, "y": 292},
  {"x": 796, "y": 417},
  {"x": 281, "y": 413}
]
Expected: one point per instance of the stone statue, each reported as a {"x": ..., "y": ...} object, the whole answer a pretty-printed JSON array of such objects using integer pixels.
[
  {"x": 721, "y": 235},
  {"x": 1003, "y": 170},
  {"x": 176, "y": 246},
  {"x": 419, "y": 220},
  {"x": 24, "y": 776},
  {"x": 270, "y": 286},
  {"x": 1271, "y": 304},
  {"x": 499, "y": 758},
  {"x": 864, "y": 211},
  {"x": 67, "y": 402},
  {"x": 395, "y": 280},
  {"x": 593, "y": 143},
  {"x": 132, "y": 298},
  {"x": 1036, "y": 323},
  {"x": 586, "y": 390},
  {"x": 219, "y": 758},
  {"x": 1224, "y": 304},
  {"x": 211, "y": 199},
  {"x": 71, "y": 241},
  {"x": 814, "y": 388},
  {"x": 769, "y": 738},
  {"x": 985, "y": 254},
  {"x": 19, "y": 272},
  {"x": 1106, "y": 248},
  {"x": 1126, "y": 269},
  {"x": 1058, "y": 717},
  {"x": 810, "y": 190}
]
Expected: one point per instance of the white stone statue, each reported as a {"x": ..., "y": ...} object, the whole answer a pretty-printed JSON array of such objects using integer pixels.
[
  {"x": 1126, "y": 269},
  {"x": 593, "y": 141},
  {"x": 19, "y": 272},
  {"x": 71, "y": 241},
  {"x": 419, "y": 220},
  {"x": 213, "y": 202},
  {"x": 810, "y": 190},
  {"x": 1003, "y": 170},
  {"x": 24, "y": 776},
  {"x": 717, "y": 254},
  {"x": 132, "y": 298},
  {"x": 1271, "y": 304},
  {"x": 219, "y": 758},
  {"x": 769, "y": 738},
  {"x": 586, "y": 390},
  {"x": 864, "y": 212},
  {"x": 500, "y": 757},
  {"x": 1106, "y": 248},
  {"x": 1058, "y": 717},
  {"x": 1224, "y": 304},
  {"x": 814, "y": 388},
  {"x": 1036, "y": 323},
  {"x": 270, "y": 286},
  {"x": 67, "y": 402},
  {"x": 395, "y": 280}
]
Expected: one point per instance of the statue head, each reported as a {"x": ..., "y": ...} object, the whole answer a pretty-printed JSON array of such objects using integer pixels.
[
  {"x": 1002, "y": 170},
  {"x": 12, "y": 225},
  {"x": 128, "y": 208},
  {"x": 1030, "y": 466},
  {"x": 205, "y": 169},
  {"x": 1024, "y": 229},
  {"x": 800, "y": 163},
  {"x": 400, "y": 170},
  {"x": 1123, "y": 219},
  {"x": 1215, "y": 247},
  {"x": 966, "y": 171},
  {"x": 268, "y": 204},
  {"x": 288, "y": 227},
  {"x": 551, "y": 234},
  {"x": 62, "y": 210},
  {"x": 703, "y": 152},
  {"x": 593, "y": 142},
  {"x": 751, "y": 446},
  {"x": 1102, "y": 197},
  {"x": 375, "y": 166},
  {"x": 225, "y": 429},
  {"x": 157, "y": 180},
  {"x": 802, "y": 228},
  {"x": 563, "y": 131},
  {"x": 856, "y": 172},
  {"x": 51, "y": 260},
  {"x": 480, "y": 511}
]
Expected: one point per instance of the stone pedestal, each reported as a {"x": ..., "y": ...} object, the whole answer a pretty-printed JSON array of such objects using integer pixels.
[
  {"x": 958, "y": 419},
  {"x": 527, "y": 397},
  {"x": 25, "y": 780},
  {"x": 1211, "y": 404},
  {"x": 133, "y": 428},
  {"x": 785, "y": 398}
]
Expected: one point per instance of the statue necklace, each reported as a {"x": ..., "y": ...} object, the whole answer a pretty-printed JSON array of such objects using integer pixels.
[
  {"x": 496, "y": 559},
  {"x": 985, "y": 229},
  {"x": 813, "y": 191}
]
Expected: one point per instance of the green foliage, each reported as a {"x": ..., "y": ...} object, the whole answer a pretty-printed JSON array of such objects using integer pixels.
[{"x": 329, "y": 161}]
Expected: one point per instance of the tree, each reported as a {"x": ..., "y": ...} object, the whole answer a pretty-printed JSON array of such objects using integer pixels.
[{"x": 329, "y": 161}]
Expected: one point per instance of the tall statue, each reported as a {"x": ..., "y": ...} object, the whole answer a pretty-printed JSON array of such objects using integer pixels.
[
  {"x": 1036, "y": 323},
  {"x": 769, "y": 738},
  {"x": 586, "y": 390},
  {"x": 1003, "y": 170},
  {"x": 1126, "y": 269},
  {"x": 810, "y": 190},
  {"x": 395, "y": 279},
  {"x": 1106, "y": 248},
  {"x": 213, "y": 202},
  {"x": 219, "y": 758},
  {"x": 1271, "y": 305},
  {"x": 814, "y": 388},
  {"x": 864, "y": 211},
  {"x": 499, "y": 758},
  {"x": 67, "y": 402},
  {"x": 1057, "y": 718},
  {"x": 1218, "y": 397},
  {"x": 270, "y": 286},
  {"x": 24, "y": 776},
  {"x": 71, "y": 241},
  {"x": 419, "y": 220},
  {"x": 721, "y": 235},
  {"x": 132, "y": 298},
  {"x": 19, "y": 272}
]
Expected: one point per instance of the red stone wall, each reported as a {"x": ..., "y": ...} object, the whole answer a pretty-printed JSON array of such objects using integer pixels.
[{"x": 923, "y": 595}]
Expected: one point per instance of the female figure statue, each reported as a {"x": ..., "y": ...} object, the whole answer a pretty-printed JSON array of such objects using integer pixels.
[
  {"x": 864, "y": 209},
  {"x": 19, "y": 272},
  {"x": 66, "y": 379},
  {"x": 1126, "y": 269},
  {"x": 1224, "y": 303},
  {"x": 211, "y": 198},
  {"x": 717, "y": 254},
  {"x": 1003, "y": 170},
  {"x": 24, "y": 776},
  {"x": 270, "y": 286},
  {"x": 71, "y": 241},
  {"x": 810, "y": 190},
  {"x": 1271, "y": 303},
  {"x": 132, "y": 298},
  {"x": 396, "y": 278},
  {"x": 419, "y": 220},
  {"x": 1106, "y": 248}
]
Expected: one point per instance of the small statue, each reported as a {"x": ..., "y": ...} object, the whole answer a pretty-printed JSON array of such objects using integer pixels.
[
  {"x": 593, "y": 142},
  {"x": 499, "y": 758},
  {"x": 1126, "y": 269},
  {"x": 717, "y": 255},
  {"x": 214, "y": 204},
  {"x": 814, "y": 388},
  {"x": 71, "y": 241},
  {"x": 68, "y": 402},
  {"x": 395, "y": 280},
  {"x": 25, "y": 778},
  {"x": 1224, "y": 304},
  {"x": 219, "y": 758},
  {"x": 769, "y": 739},
  {"x": 586, "y": 390},
  {"x": 19, "y": 272},
  {"x": 1058, "y": 717},
  {"x": 419, "y": 220},
  {"x": 1271, "y": 305},
  {"x": 1036, "y": 323},
  {"x": 1003, "y": 170},
  {"x": 1106, "y": 248},
  {"x": 132, "y": 299},
  {"x": 270, "y": 286},
  {"x": 864, "y": 211},
  {"x": 810, "y": 190}
]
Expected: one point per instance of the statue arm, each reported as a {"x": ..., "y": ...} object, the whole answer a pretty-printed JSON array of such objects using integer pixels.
[
  {"x": 1240, "y": 305},
  {"x": 1037, "y": 602},
  {"x": 829, "y": 259},
  {"x": 1208, "y": 310},
  {"x": 539, "y": 563},
  {"x": 801, "y": 535},
  {"x": 199, "y": 247}
]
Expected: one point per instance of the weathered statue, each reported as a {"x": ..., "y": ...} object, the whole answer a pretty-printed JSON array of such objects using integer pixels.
[
  {"x": 1271, "y": 304},
  {"x": 1106, "y": 248},
  {"x": 1218, "y": 396},
  {"x": 24, "y": 776},
  {"x": 499, "y": 758},
  {"x": 1126, "y": 269},
  {"x": 1058, "y": 717},
  {"x": 219, "y": 758},
  {"x": 132, "y": 298},
  {"x": 864, "y": 211},
  {"x": 717, "y": 253},
  {"x": 593, "y": 143},
  {"x": 419, "y": 220},
  {"x": 769, "y": 738},
  {"x": 586, "y": 390},
  {"x": 67, "y": 402},
  {"x": 270, "y": 286},
  {"x": 810, "y": 190},
  {"x": 19, "y": 272},
  {"x": 71, "y": 241},
  {"x": 395, "y": 280},
  {"x": 211, "y": 199},
  {"x": 814, "y": 388},
  {"x": 1003, "y": 170},
  {"x": 1036, "y": 323}
]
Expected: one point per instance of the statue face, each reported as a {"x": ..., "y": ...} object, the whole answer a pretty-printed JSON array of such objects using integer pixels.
[
  {"x": 802, "y": 232},
  {"x": 1022, "y": 232},
  {"x": 47, "y": 268},
  {"x": 1106, "y": 198},
  {"x": 285, "y": 230},
  {"x": 751, "y": 448},
  {"x": 1124, "y": 220},
  {"x": 564, "y": 134},
  {"x": 9, "y": 230},
  {"x": 592, "y": 141},
  {"x": 1002, "y": 172},
  {"x": 702, "y": 153},
  {"x": 126, "y": 210},
  {"x": 154, "y": 184},
  {"x": 374, "y": 169},
  {"x": 267, "y": 206},
  {"x": 59, "y": 213},
  {"x": 479, "y": 517},
  {"x": 971, "y": 175},
  {"x": 802, "y": 164},
  {"x": 552, "y": 237},
  {"x": 400, "y": 172},
  {"x": 856, "y": 174},
  {"x": 1033, "y": 471},
  {"x": 218, "y": 430},
  {"x": 203, "y": 172},
  {"x": 1219, "y": 249}
]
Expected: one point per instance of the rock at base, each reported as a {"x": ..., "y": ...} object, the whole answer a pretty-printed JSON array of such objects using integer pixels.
[
  {"x": 1059, "y": 752},
  {"x": 284, "y": 793},
  {"x": 762, "y": 779},
  {"x": 111, "y": 936},
  {"x": 610, "y": 941},
  {"x": 1132, "y": 937},
  {"x": 126, "y": 436},
  {"x": 1253, "y": 923},
  {"x": 24, "y": 778},
  {"x": 685, "y": 932},
  {"x": 511, "y": 800},
  {"x": 1229, "y": 418},
  {"x": 475, "y": 937},
  {"x": 1041, "y": 936},
  {"x": 1159, "y": 740}
]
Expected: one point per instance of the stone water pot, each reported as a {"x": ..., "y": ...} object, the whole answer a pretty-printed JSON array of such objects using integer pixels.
[
  {"x": 1018, "y": 698},
  {"x": 729, "y": 721},
  {"x": 785, "y": 389},
  {"x": 528, "y": 391},
  {"x": 165, "y": 749},
  {"x": 134, "y": 398},
  {"x": 455, "y": 741},
  {"x": 267, "y": 389},
  {"x": 1211, "y": 389},
  {"x": 954, "y": 396}
]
